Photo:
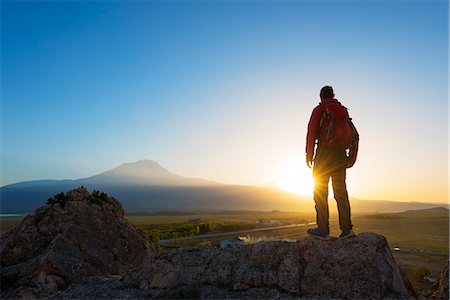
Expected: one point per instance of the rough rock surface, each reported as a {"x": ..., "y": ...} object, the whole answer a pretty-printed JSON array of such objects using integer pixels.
[
  {"x": 356, "y": 268},
  {"x": 63, "y": 243},
  {"x": 442, "y": 291}
]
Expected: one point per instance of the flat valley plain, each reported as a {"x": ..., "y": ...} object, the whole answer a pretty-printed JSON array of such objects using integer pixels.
[{"x": 419, "y": 239}]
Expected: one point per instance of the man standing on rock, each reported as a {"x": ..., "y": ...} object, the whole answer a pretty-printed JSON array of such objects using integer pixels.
[{"x": 337, "y": 145}]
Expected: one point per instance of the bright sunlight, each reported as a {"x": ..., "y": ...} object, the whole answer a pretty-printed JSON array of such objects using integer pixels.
[{"x": 295, "y": 177}]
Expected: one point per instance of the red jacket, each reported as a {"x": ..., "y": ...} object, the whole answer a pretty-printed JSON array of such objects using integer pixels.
[{"x": 314, "y": 125}]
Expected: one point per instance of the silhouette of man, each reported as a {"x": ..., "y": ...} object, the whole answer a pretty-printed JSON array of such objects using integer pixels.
[{"x": 330, "y": 161}]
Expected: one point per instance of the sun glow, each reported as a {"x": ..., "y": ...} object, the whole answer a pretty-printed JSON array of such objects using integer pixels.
[{"x": 295, "y": 177}]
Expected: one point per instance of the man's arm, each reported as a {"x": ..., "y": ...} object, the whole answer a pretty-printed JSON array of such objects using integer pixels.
[{"x": 313, "y": 130}]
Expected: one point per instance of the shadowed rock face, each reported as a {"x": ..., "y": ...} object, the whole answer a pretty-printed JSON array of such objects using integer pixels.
[
  {"x": 360, "y": 267},
  {"x": 357, "y": 268},
  {"x": 67, "y": 242}
]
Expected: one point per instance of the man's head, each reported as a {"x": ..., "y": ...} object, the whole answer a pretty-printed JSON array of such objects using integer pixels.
[{"x": 326, "y": 93}]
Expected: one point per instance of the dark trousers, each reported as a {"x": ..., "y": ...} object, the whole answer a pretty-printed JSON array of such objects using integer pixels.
[{"x": 330, "y": 162}]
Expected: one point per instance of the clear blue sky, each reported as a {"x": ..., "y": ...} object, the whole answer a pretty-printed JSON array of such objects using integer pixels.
[{"x": 224, "y": 89}]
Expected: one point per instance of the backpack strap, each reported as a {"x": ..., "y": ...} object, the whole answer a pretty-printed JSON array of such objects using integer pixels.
[
  {"x": 330, "y": 124},
  {"x": 319, "y": 131}
]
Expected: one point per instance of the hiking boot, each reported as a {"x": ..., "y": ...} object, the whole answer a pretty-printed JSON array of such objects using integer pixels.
[
  {"x": 346, "y": 234},
  {"x": 318, "y": 233}
]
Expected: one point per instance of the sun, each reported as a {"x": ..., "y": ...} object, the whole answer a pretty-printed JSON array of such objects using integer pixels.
[{"x": 295, "y": 177}]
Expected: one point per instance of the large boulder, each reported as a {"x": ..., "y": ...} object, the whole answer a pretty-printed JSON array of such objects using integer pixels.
[
  {"x": 77, "y": 236},
  {"x": 355, "y": 268}
]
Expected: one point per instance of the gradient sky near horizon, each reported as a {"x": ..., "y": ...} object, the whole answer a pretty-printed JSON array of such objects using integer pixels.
[{"x": 223, "y": 90}]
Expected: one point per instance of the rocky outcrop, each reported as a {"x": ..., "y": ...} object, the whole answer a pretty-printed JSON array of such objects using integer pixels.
[
  {"x": 81, "y": 246},
  {"x": 442, "y": 291},
  {"x": 76, "y": 236},
  {"x": 356, "y": 268}
]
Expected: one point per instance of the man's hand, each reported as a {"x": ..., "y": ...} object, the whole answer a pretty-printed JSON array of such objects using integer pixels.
[
  {"x": 350, "y": 162},
  {"x": 351, "y": 158}
]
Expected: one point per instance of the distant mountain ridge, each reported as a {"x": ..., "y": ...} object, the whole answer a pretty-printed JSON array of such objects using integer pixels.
[
  {"x": 145, "y": 186},
  {"x": 145, "y": 172}
]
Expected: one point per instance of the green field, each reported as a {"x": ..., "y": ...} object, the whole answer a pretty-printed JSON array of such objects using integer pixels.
[{"x": 166, "y": 227}]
